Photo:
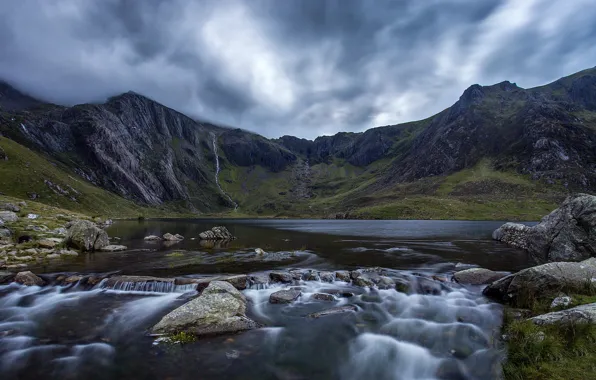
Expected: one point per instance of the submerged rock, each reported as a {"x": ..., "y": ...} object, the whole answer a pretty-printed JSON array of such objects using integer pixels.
[
  {"x": 478, "y": 276},
  {"x": 544, "y": 280},
  {"x": 334, "y": 311},
  {"x": 86, "y": 236},
  {"x": 566, "y": 234},
  {"x": 114, "y": 248},
  {"x": 220, "y": 309},
  {"x": 217, "y": 233},
  {"x": 285, "y": 296},
  {"x": 28, "y": 278},
  {"x": 575, "y": 315}
]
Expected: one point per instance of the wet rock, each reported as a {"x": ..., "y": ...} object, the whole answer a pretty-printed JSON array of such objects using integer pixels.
[
  {"x": 327, "y": 276},
  {"x": 114, "y": 248},
  {"x": 561, "y": 301},
  {"x": 566, "y": 234},
  {"x": 28, "y": 278},
  {"x": 402, "y": 285},
  {"x": 169, "y": 237},
  {"x": 363, "y": 281},
  {"x": 323, "y": 297},
  {"x": 72, "y": 279},
  {"x": 297, "y": 274},
  {"x": 342, "y": 275},
  {"x": 86, "y": 236},
  {"x": 68, "y": 252},
  {"x": 8, "y": 216},
  {"x": 238, "y": 281},
  {"x": 311, "y": 275},
  {"x": 46, "y": 243},
  {"x": 258, "y": 279},
  {"x": 9, "y": 207},
  {"x": 334, "y": 311},
  {"x": 285, "y": 296},
  {"x": 426, "y": 286},
  {"x": 478, "y": 276},
  {"x": 217, "y": 233},
  {"x": 152, "y": 238},
  {"x": 279, "y": 276},
  {"x": 220, "y": 309},
  {"x": 575, "y": 315},
  {"x": 385, "y": 282},
  {"x": 544, "y": 280}
]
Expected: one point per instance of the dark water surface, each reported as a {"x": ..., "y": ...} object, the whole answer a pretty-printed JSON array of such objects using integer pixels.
[{"x": 60, "y": 332}]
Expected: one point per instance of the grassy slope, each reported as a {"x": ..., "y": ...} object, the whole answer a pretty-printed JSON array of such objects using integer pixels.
[{"x": 25, "y": 172}]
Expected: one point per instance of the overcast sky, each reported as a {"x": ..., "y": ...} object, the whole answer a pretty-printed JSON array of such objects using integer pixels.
[{"x": 300, "y": 67}]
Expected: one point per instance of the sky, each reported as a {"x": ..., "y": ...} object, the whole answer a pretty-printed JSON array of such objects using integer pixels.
[{"x": 293, "y": 67}]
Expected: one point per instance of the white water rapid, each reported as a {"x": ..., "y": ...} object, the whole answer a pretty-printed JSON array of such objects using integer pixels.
[{"x": 217, "y": 170}]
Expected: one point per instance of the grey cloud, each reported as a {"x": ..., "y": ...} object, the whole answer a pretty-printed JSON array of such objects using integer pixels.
[{"x": 305, "y": 67}]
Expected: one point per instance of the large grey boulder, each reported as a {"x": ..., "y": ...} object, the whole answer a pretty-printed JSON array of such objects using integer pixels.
[
  {"x": 544, "y": 281},
  {"x": 578, "y": 314},
  {"x": 217, "y": 233},
  {"x": 566, "y": 234},
  {"x": 477, "y": 276},
  {"x": 220, "y": 309},
  {"x": 86, "y": 236}
]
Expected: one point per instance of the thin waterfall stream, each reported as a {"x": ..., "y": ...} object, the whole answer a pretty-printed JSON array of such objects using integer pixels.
[{"x": 217, "y": 170}]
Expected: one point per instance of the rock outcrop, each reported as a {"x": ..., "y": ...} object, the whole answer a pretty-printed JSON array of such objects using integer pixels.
[
  {"x": 86, "y": 236},
  {"x": 543, "y": 281},
  {"x": 220, "y": 309},
  {"x": 217, "y": 233},
  {"x": 575, "y": 315},
  {"x": 566, "y": 234}
]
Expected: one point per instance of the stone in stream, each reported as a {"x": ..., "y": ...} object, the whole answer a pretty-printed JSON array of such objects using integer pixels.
[
  {"x": 258, "y": 279},
  {"x": 311, "y": 275},
  {"x": 113, "y": 248},
  {"x": 327, "y": 276},
  {"x": 575, "y": 315},
  {"x": 28, "y": 278},
  {"x": 238, "y": 281},
  {"x": 220, "y": 309},
  {"x": 384, "y": 282},
  {"x": 363, "y": 281},
  {"x": 152, "y": 238},
  {"x": 334, "y": 311},
  {"x": 217, "y": 233},
  {"x": 323, "y": 297},
  {"x": 279, "y": 276},
  {"x": 566, "y": 234},
  {"x": 86, "y": 236},
  {"x": 169, "y": 237},
  {"x": 478, "y": 276},
  {"x": 342, "y": 275},
  {"x": 544, "y": 281},
  {"x": 285, "y": 296}
]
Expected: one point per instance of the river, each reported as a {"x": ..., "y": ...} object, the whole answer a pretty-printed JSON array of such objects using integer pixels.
[{"x": 71, "y": 333}]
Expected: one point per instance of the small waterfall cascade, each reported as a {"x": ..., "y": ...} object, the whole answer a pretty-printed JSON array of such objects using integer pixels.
[
  {"x": 217, "y": 170},
  {"x": 148, "y": 286}
]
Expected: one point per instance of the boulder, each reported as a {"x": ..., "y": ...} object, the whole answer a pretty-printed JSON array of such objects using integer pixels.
[
  {"x": 86, "y": 236},
  {"x": 113, "y": 248},
  {"x": 342, "y": 275},
  {"x": 285, "y": 296},
  {"x": 544, "y": 280},
  {"x": 169, "y": 237},
  {"x": 334, "y": 311},
  {"x": 323, "y": 297},
  {"x": 566, "y": 234},
  {"x": 575, "y": 315},
  {"x": 8, "y": 216},
  {"x": 9, "y": 207},
  {"x": 220, "y": 309},
  {"x": 478, "y": 276},
  {"x": 152, "y": 238},
  {"x": 217, "y": 233},
  {"x": 28, "y": 278},
  {"x": 279, "y": 276}
]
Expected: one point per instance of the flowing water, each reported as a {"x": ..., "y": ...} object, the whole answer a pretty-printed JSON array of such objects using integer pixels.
[{"x": 447, "y": 332}]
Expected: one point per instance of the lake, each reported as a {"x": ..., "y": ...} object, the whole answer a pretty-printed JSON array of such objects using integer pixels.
[{"x": 67, "y": 332}]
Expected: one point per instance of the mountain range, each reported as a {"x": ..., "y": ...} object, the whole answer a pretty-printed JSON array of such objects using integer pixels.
[{"x": 499, "y": 152}]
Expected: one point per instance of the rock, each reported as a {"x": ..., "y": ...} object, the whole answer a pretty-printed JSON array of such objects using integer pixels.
[
  {"x": 9, "y": 207},
  {"x": 543, "y": 281},
  {"x": 363, "y": 281},
  {"x": 258, "y": 279},
  {"x": 32, "y": 216},
  {"x": 560, "y": 301},
  {"x": 323, "y": 297},
  {"x": 478, "y": 276},
  {"x": 72, "y": 279},
  {"x": 28, "y": 278},
  {"x": 279, "y": 276},
  {"x": 169, "y": 237},
  {"x": 53, "y": 256},
  {"x": 327, "y": 276},
  {"x": 59, "y": 231},
  {"x": 575, "y": 315},
  {"x": 32, "y": 227},
  {"x": 46, "y": 243},
  {"x": 334, "y": 311},
  {"x": 220, "y": 309},
  {"x": 342, "y": 275},
  {"x": 8, "y": 216},
  {"x": 86, "y": 236},
  {"x": 22, "y": 204},
  {"x": 385, "y": 282},
  {"x": 67, "y": 252},
  {"x": 30, "y": 251},
  {"x": 113, "y": 248},
  {"x": 311, "y": 275},
  {"x": 260, "y": 252},
  {"x": 566, "y": 234},
  {"x": 5, "y": 233},
  {"x": 285, "y": 296},
  {"x": 152, "y": 238},
  {"x": 24, "y": 258},
  {"x": 217, "y": 233},
  {"x": 238, "y": 281}
]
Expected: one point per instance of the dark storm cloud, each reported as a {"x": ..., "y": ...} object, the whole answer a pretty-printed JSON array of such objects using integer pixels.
[{"x": 302, "y": 67}]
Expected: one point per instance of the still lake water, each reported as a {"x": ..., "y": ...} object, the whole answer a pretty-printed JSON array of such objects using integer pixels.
[{"x": 69, "y": 333}]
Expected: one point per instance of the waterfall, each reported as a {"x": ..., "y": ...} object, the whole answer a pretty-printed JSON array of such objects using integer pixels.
[
  {"x": 148, "y": 286},
  {"x": 217, "y": 169}
]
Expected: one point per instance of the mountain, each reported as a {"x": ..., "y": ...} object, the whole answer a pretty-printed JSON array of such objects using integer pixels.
[{"x": 498, "y": 147}]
